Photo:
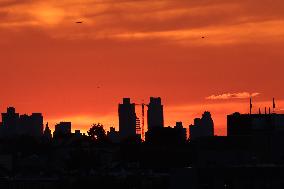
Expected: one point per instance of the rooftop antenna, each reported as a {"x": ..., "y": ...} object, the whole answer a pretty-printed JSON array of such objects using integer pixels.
[
  {"x": 250, "y": 105},
  {"x": 274, "y": 105}
]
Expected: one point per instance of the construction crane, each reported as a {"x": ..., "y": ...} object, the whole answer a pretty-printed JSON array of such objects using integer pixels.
[{"x": 143, "y": 119}]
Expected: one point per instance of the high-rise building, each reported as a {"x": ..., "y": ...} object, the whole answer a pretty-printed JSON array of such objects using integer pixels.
[
  {"x": 202, "y": 127},
  {"x": 155, "y": 113},
  {"x": 127, "y": 119}
]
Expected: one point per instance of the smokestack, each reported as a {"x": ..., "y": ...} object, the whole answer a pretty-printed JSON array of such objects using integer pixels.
[
  {"x": 265, "y": 111},
  {"x": 259, "y": 111},
  {"x": 269, "y": 110}
]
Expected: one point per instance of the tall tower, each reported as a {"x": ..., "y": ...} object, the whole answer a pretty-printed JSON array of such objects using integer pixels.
[
  {"x": 127, "y": 119},
  {"x": 155, "y": 113}
]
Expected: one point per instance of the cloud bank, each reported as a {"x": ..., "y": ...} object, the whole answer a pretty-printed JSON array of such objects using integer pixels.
[{"x": 221, "y": 21}]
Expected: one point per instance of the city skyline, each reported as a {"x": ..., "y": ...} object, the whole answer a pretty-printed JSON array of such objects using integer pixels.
[
  {"x": 74, "y": 60},
  {"x": 257, "y": 107}
]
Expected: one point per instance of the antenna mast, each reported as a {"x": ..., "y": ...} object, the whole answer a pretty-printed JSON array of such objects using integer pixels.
[
  {"x": 250, "y": 105},
  {"x": 274, "y": 105}
]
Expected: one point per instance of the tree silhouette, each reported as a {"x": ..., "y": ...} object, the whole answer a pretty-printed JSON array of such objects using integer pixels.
[{"x": 97, "y": 132}]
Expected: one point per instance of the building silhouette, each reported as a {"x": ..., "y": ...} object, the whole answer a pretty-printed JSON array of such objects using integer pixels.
[
  {"x": 77, "y": 133},
  {"x": 113, "y": 135},
  {"x": 31, "y": 125},
  {"x": 202, "y": 127},
  {"x": 63, "y": 129},
  {"x": 181, "y": 131},
  {"x": 155, "y": 113},
  {"x": 254, "y": 124},
  {"x": 127, "y": 119},
  {"x": 10, "y": 122},
  {"x": 13, "y": 124},
  {"x": 47, "y": 133},
  {"x": 167, "y": 135}
]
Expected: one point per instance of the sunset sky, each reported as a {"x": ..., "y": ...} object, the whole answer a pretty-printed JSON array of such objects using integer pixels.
[{"x": 196, "y": 55}]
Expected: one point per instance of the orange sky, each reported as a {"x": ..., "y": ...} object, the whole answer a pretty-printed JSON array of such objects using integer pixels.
[{"x": 138, "y": 49}]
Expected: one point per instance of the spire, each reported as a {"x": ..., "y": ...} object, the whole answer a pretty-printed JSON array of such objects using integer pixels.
[{"x": 47, "y": 132}]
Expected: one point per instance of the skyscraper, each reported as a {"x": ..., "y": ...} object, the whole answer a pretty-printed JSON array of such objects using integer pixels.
[
  {"x": 127, "y": 119},
  {"x": 155, "y": 113}
]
